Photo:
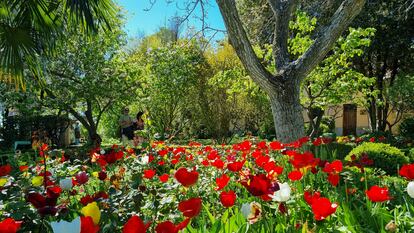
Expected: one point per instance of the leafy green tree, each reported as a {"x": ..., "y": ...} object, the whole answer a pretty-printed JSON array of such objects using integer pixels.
[
  {"x": 171, "y": 72},
  {"x": 334, "y": 81},
  {"x": 90, "y": 76},
  {"x": 400, "y": 96},
  {"x": 231, "y": 102},
  {"x": 283, "y": 84},
  {"x": 388, "y": 60},
  {"x": 29, "y": 30}
]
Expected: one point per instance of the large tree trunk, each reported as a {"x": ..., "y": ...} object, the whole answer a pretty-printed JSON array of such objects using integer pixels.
[
  {"x": 287, "y": 112},
  {"x": 283, "y": 86}
]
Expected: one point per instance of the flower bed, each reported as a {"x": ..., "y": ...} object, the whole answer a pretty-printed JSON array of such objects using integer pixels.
[{"x": 245, "y": 187}]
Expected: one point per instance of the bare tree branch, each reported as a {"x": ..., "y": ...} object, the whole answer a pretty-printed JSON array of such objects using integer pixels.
[{"x": 327, "y": 36}]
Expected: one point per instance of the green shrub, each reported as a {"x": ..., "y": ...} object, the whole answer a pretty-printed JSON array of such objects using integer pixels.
[
  {"x": 386, "y": 157},
  {"x": 341, "y": 150},
  {"x": 410, "y": 155},
  {"x": 407, "y": 128}
]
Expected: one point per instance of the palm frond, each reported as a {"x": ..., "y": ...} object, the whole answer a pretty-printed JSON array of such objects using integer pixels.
[{"x": 30, "y": 28}]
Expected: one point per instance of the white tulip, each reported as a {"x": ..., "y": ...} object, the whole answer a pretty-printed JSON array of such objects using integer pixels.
[
  {"x": 66, "y": 184},
  {"x": 283, "y": 194},
  {"x": 67, "y": 227},
  {"x": 252, "y": 211},
  {"x": 410, "y": 189}
]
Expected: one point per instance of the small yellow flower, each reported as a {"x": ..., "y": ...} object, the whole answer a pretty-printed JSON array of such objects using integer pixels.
[
  {"x": 3, "y": 181},
  {"x": 95, "y": 174},
  {"x": 93, "y": 211},
  {"x": 37, "y": 181}
]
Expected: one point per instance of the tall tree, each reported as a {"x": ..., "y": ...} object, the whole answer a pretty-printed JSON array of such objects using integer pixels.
[
  {"x": 283, "y": 85},
  {"x": 389, "y": 59},
  {"x": 89, "y": 76}
]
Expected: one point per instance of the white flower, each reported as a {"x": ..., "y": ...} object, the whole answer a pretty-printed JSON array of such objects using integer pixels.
[
  {"x": 102, "y": 151},
  {"x": 67, "y": 227},
  {"x": 66, "y": 184},
  {"x": 283, "y": 194},
  {"x": 144, "y": 160},
  {"x": 252, "y": 211},
  {"x": 410, "y": 189}
]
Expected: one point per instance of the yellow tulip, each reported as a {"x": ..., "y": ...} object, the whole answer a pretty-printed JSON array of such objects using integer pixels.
[
  {"x": 37, "y": 181},
  {"x": 93, "y": 211},
  {"x": 3, "y": 181}
]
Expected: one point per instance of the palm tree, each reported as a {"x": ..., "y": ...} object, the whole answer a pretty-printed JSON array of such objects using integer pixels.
[{"x": 30, "y": 28}]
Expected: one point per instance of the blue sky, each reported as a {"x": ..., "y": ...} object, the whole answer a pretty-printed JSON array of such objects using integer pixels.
[{"x": 140, "y": 21}]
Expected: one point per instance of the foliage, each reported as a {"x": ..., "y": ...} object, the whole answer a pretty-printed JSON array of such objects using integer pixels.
[
  {"x": 20, "y": 128},
  {"x": 171, "y": 72},
  {"x": 401, "y": 93},
  {"x": 90, "y": 77},
  {"x": 386, "y": 157},
  {"x": 406, "y": 128},
  {"x": 388, "y": 60},
  {"x": 29, "y": 30}
]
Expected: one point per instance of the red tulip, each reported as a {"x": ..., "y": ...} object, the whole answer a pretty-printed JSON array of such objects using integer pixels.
[
  {"x": 295, "y": 175},
  {"x": 334, "y": 167},
  {"x": 22, "y": 168},
  {"x": 166, "y": 227},
  {"x": 218, "y": 163},
  {"x": 333, "y": 179},
  {"x": 272, "y": 168},
  {"x": 222, "y": 181},
  {"x": 135, "y": 225},
  {"x": 36, "y": 199},
  {"x": 185, "y": 177},
  {"x": 149, "y": 174},
  {"x": 276, "y": 145},
  {"x": 310, "y": 198},
  {"x": 86, "y": 200},
  {"x": 87, "y": 225},
  {"x": 228, "y": 198},
  {"x": 169, "y": 227},
  {"x": 9, "y": 225},
  {"x": 212, "y": 155},
  {"x": 164, "y": 178},
  {"x": 407, "y": 171},
  {"x": 5, "y": 170},
  {"x": 258, "y": 185},
  {"x": 322, "y": 208},
  {"x": 191, "y": 207},
  {"x": 162, "y": 152},
  {"x": 378, "y": 194},
  {"x": 304, "y": 160},
  {"x": 53, "y": 192},
  {"x": 235, "y": 166},
  {"x": 81, "y": 178}
]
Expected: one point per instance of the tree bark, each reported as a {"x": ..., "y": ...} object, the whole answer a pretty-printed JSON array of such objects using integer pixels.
[
  {"x": 287, "y": 112},
  {"x": 283, "y": 87}
]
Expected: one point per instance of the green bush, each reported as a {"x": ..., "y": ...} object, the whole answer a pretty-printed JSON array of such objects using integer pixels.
[
  {"x": 410, "y": 155},
  {"x": 407, "y": 128},
  {"x": 386, "y": 157}
]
